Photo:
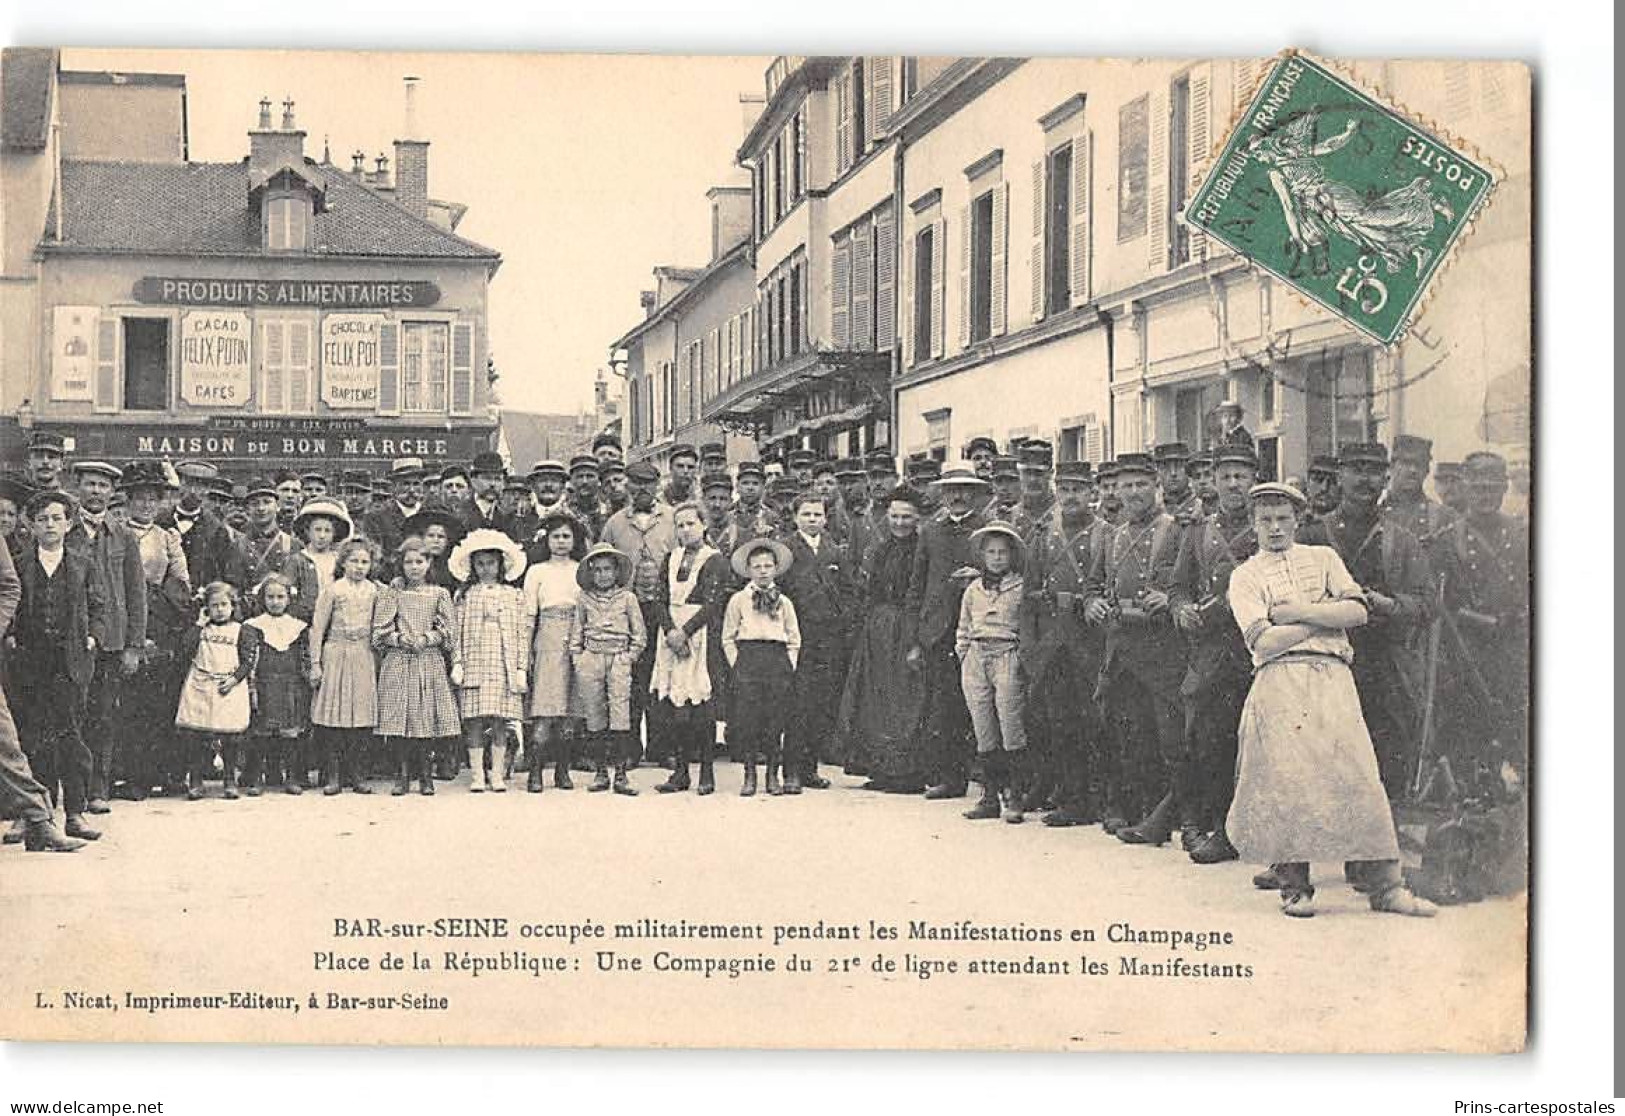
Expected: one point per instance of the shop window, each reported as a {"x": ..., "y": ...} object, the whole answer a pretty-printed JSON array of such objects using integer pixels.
[
  {"x": 146, "y": 364},
  {"x": 425, "y": 366}
]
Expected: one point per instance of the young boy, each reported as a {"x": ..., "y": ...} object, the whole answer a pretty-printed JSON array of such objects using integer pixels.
[
  {"x": 988, "y": 644},
  {"x": 819, "y": 581},
  {"x": 60, "y": 624},
  {"x": 762, "y": 640},
  {"x": 607, "y": 635}
]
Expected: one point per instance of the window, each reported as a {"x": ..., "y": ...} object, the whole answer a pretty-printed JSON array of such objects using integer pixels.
[
  {"x": 911, "y": 78},
  {"x": 425, "y": 366},
  {"x": 286, "y": 361},
  {"x": 1070, "y": 444},
  {"x": 782, "y": 316},
  {"x": 1266, "y": 396},
  {"x": 851, "y": 125},
  {"x": 778, "y": 179},
  {"x": 146, "y": 364},
  {"x": 1337, "y": 398},
  {"x": 1058, "y": 230},
  {"x": 796, "y": 271},
  {"x": 1133, "y": 155},
  {"x": 937, "y": 432},
  {"x": 1179, "y": 119},
  {"x": 287, "y": 224},
  {"x": 925, "y": 249},
  {"x": 981, "y": 268},
  {"x": 860, "y": 125},
  {"x": 798, "y": 155}
]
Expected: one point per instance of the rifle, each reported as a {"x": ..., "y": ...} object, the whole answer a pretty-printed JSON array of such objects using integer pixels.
[{"x": 1435, "y": 633}]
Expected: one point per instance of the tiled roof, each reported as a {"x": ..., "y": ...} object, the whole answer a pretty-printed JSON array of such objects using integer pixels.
[
  {"x": 25, "y": 97},
  {"x": 202, "y": 209},
  {"x": 533, "y": 437}
]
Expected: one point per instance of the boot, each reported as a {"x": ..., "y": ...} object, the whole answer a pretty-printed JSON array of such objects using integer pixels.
[
  {"x": 228, "y": 772},
  {"x": 403, "y": 776},
  {"x": 987, "y": 806},
  {"x": 622, "y": 786},
  {"x": 333, "y": 785},
  {"x": 774, "y": 758},
  {"x": 1190, "y": 835},
  {"x": 533, "y": 757},
  {"x": 420, "y": 760},
  {"x": 476, "y": 770},
  {"x": 952, "y": 788},
  {"x": 1155, "y": 829},
  {"x": 748, "y": 787},
  {"x": 1215, "y": 848},
  {"x": 17, "y": 832},
  {"x": 1019, "y": 774},
  {"x": 708, "y": 778},
  {"x": 77, "y": 827},
  {"x": 44, "y": 836},
  {"x": 194, "y": 784},
  {"x": 678, "y": 780},
  {"x": 292, "y": 777},
  {"x": 600, "y": 772},
  {"x": 561, "y": 772},
  {"x": 356, "y": 779},
  {"x": 511, "y": 748}
]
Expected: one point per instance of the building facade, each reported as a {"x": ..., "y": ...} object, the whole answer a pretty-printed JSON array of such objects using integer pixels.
[{"x": 275, "y": 310}]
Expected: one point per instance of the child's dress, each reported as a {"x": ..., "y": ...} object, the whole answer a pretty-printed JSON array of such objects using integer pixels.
[
  {"x": 281, "y": 685},
  {"x": 217, "y": 652},
  {"x": 550, "y": 602},
  {"x": 414, "y": 694},
  {"x": 492, "y": 647},
  {"x": 341, "y": 641}
]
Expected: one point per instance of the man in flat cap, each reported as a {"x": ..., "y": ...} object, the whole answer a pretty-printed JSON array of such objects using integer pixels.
[
  {"x": 1173, "y": 473},
  {"x": 750, "y": 512},
  {"x": 612, "y": 479},
  {"x": 980, "y": 451},
  {"x": 606, "y": 447},
  {"x": 545, "y": 494},
  {"x": 921, "y": 472},
  {"x": 586, "y": 495},
  {"x": 1324, "y": 494},
  {"x": 826, "y": 486},
  {"x": 713, "y": 460},
  {"x": 455, "y": 489},
  {"x": 1131, "y": 593},
  {"x": 45, "y": 458},
  {"x": 211, "y": 551},
  {"x": 882, "y": 473},
  {"x": 682, "y": 465},
  {"x": 1392, "y": 567},
  {"x": 290, "y": 493},
  {"x": 115, "y": 554},
  {"x": 645, "y": 532},
  {"x": 862, "y": 529},
  {"x": 798, "y": 465},
  {"x": 722, "y": 534},
  {"x": 313, "y": 484}
]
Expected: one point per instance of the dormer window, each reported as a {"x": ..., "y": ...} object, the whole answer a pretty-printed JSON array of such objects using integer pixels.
[{"x": 287, "y": 222}]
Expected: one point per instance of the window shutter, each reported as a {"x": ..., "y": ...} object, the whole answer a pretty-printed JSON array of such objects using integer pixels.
[
  {"x": 840, "y": 284},
  {"x": 964, "y": 276},
  {"x": 998, "y": 287},
  {"x": 1094, "y": 448},
  {"x": 764, "y": 311},
  {"x": 1246, "y": 70},
  {"x": 1200, "y": 134},
  {"x": 805, "y": 340},
  {"x": 905, "y": 291},
  {"x": 1038, "y": 261},
  {"x": 1083, "y": 157},
  {"x": 389, "y": 368},
  {"x": 879, "y": 73},
  {"x": 843, "y": 121},
  {"x": 109, "y": 337},
  {"x": 1157, "y": 182},
  {"x": 863, "y": 286},
  {"x": 801, "y": 151},
  {"x": 885, "y": 278},
  {"x": 939, "y": 282},
  {"x": 274, "y": 366},
  {"x": 299, "y": 367},
  {"x": 462, "y": 368}
]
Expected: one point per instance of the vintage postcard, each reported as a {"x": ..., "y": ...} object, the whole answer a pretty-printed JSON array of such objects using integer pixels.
[{"x": 800, "y": 551}]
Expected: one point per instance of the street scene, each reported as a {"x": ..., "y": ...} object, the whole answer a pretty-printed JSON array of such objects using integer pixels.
[{"x": 969, "y": 522}]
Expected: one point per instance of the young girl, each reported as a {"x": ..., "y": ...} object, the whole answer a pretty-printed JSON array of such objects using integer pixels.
[
  {"x": 343, "y": 670},
  {"x": 281, "y": 694},
  {"x": 689, "y": 668},
  {"x": 413, "y": 623},
  {"x": 214, "y": 700},
  {"x": 987, "y": 644},
  {"x": 550, "y": 594},
  {"x": 606, "y": 638},
  {"x": 490, "y": 649},
  {"x": 762, "y": 640},
  {"x": 322, "y": 524},
  {"x": 439, "y": 529}
]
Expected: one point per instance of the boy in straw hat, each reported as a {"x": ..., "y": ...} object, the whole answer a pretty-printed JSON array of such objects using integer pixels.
[
  {"x": 490, "y": 651},
  {"x": 762, "y": 640},
  {"x": 987, "y": 643},
  {"x": 1307, "y": 784},
  {"x": 607, "y": 635}
]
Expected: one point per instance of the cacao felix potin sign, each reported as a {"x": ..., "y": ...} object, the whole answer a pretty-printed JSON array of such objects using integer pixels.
[{"x": 174, "y": 290}]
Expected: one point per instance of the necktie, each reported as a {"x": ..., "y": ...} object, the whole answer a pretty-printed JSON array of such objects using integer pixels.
[{"x": 765, "y": 600}]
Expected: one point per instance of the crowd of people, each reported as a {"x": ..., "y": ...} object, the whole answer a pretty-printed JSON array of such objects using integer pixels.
[{"x": 1096, "y": 643}]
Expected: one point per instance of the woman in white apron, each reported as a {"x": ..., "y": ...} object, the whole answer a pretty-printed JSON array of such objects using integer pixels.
[{"x": 689, "y": 670}]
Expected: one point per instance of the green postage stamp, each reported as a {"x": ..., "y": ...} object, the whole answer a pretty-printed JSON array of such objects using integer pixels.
[{"x": 1339, "y": 196}]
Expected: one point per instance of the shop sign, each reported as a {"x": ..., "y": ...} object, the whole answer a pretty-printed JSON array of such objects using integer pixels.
[
  {"x": 350, "y": 360},
  {"x": 370, "y": 445},
  {"x": 73, "y": 354},
  {"x": 215, "y": 367},
  {"x": 369, "y": 294}
]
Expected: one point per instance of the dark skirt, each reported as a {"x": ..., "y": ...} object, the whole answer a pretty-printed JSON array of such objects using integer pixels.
[
  {"x": 880, "y": 708},
  {"x": 762, "y": 686},
  {"x": 283, "y": 692}
]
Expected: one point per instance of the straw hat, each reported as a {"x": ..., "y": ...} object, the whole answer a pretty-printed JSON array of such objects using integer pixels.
[
  {"x": 742, "y": 553},
  {"x": 999, "y": 528},
  {"x": 623, "y": 566},
  {"x": 323, "y": 508},
  {"x": 1278, "y": 489},
  {"x": 461, "y": 562}
]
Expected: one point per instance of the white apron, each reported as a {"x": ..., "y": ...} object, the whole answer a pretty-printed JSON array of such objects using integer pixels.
[
  {"x": 682, "y": 681},
  {"x": 201, "y": 706}
]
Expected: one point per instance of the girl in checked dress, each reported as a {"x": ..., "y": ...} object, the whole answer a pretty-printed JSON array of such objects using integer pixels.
[
  {"x": 343, "y": 670},
  {"x": 412, "y": 624},
  {"x": 490, "y": 651}
]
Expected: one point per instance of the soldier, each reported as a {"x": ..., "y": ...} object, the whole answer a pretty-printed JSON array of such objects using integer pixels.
[
  {"x": 586, "y": 497},
  {"x": 45, "y": 451},
  {"x": 935, "y": 587},
  {"x": 827, "y": 487},
  {"x": 1200, "y": 471},
  {"x": 115, "y": 554},
  {"x": 264, "y": 545},
  {"x": 722, "y": 533},
  {"x": 1006, "y": 478},
  {"x": 682, "y": 472},
  {"x": 1404, "y": 501},
  {"x": 1110, "y": 504},
  {"x": 1220, "y": 669},
  {"x": 750, "y": 511},
  {"x": 856, "y": 509},
  {"x": 981, "y": 451},
  {"x": 799, "y": 463},
  {"x": 713, "y": 460},
  {"x": 606, "y": 448},
  {"x": 1060, "y": 654},
  {"x": 515, "y": 495},
  {"x": 612, "y": 475},
  {"x": 289, "y": 494},
  {"x": 922, "y": 474},
  {"x": 385, "y": 520},
  {"x": 1451, "y": 485},
  {"x": 1391, "y": 566},
  {"x": 1324, "y": 495},
  {"x": 236, "y": 505},
  {"x": 1130, "y": 591},
  {"x": 312, "y": 486},
  {"x": 1178, "y": 499},
  {"x": 781, "y": 495},
  {"x": 1035, "y": 457},
  {"x": 882, "y": 475}
]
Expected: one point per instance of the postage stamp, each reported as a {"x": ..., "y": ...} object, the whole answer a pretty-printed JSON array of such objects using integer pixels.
[{"x": 1339, "y": 196}]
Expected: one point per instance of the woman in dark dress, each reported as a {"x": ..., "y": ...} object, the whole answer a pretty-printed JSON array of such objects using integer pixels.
[{"x": 880, "y": 709}]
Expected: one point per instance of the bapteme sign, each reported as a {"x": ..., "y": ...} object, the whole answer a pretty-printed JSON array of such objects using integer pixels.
[{"x": 350, "y": 360}]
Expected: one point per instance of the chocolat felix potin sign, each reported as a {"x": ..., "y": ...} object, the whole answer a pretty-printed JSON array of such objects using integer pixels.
[
  {"x": 216, "y": 366},
  {"x": 369, "y": 294},
  {"x": 350, "y": 360}
]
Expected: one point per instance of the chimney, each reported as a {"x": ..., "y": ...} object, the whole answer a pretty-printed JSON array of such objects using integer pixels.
[
  {"x": 730, "y": 218},
  {"x": 270, "y": 148},
  {"x": 751, "y": 106},
  {"x": 646, "y": 299},
  {"x": 380, "y": 177},
  {"x": 358, "y": 165},
  {"x": 412, "y": 161}
]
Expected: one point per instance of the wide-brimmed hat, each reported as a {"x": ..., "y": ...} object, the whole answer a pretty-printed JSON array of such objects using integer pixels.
[
  {"x": 549, "y": 468},
  {"x": 742, "y": 553},
  {"x": 323, "y": 508},
  {"x": 144, "y": 474},
  {"x": 623, "y": 565},
  {"x": 999, "y": 528},
  {"x": 406, "y": 468},
  {"x": 420, "y": 522},
  {"x": 99, "y": 468},
  {"x": 461, "y": 562},
  {"x": 961, "y": 475}
]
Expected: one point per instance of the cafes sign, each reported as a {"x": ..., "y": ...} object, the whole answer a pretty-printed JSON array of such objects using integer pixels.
[
  {"x": 372, "y": 294},
  {"x": 215, "y": 358}
]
